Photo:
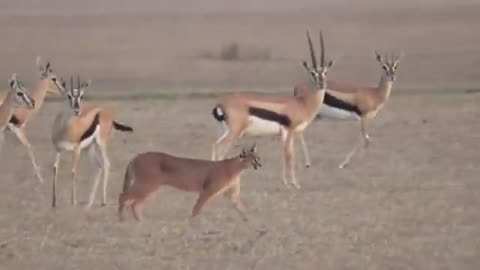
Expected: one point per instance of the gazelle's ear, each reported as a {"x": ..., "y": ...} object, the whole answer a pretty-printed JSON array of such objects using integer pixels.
[
  {"x": 13, "y": 80},
  {"x": 63, "y": 83},
  {"x": 38, "y": 63},
  {"x": 331, "y": 63},
  {"x": 379, "y": 57}
]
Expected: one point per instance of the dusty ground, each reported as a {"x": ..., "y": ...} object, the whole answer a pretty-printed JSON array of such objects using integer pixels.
[{"x": 409, "y": 202}]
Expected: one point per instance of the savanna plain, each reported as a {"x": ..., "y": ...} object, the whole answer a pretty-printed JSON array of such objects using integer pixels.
[{"x": 410, "y": 201}]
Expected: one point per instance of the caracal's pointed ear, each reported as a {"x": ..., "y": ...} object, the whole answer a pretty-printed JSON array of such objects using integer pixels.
[
  {"x": 13, "y": 81},
  {"x": 243, "y": 153},
  {"x": 253, "y": 149}
]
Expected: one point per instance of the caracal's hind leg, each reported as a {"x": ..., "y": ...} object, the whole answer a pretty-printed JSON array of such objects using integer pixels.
[
  {"x": 20, "y": 134},
  {"x": 137, "y": 208}
]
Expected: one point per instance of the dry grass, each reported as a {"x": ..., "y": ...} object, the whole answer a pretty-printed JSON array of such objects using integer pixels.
[{"x": 410, "y": 203}]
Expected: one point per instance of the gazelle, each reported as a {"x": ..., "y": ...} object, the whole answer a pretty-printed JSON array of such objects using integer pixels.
[
  {"x": 16, "y": 98},
  {"x": 148, "y": 171},
  {"x": 17, "y": 123},
  {"x": 244, "y": 114},
  {"x": 83, "y": 126},
  {"x": 353, "y": 102}
]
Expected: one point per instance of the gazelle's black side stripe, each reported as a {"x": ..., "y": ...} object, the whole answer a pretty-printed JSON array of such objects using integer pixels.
[
  {"x": 270, "y": 116},
  {"x": 91, "y": 129},
  {"x": 14, "y": 120},
  {"x": 332, "y": 101}
]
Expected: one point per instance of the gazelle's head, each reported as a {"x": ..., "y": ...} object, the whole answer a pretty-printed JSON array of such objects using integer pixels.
[
  {"x": 47, "y": 74},
  {"x": 18, "y": 94},
  {"x": 389, "y": 65},
  {"x": 317, "y": 72},
  {"x": 250, "y": 156},
  {"x": 75, "y": 94}
]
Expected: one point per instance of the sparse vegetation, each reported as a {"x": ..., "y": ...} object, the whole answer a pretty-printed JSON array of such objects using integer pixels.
[{"x": 233, "y": 51}]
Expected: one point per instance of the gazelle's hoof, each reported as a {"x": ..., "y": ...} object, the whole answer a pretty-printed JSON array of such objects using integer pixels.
[
  {"x": 296, "y": 185},
  {"x": 103, "y": 204},
  {"x": 307, "y": 166}
]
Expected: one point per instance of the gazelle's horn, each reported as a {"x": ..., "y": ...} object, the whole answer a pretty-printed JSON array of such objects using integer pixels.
[{"x": 312, "y": 51}]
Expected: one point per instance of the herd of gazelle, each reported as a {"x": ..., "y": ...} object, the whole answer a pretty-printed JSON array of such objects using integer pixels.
[{"x": 89, "y": 126}]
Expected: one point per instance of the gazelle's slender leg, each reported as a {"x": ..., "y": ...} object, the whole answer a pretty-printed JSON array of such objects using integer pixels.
[
  {"x": 97, "y": 161},
  {"x": 76, "y": 158},
  {"x": 106, "y": 172},
  {"x": 306, "y": 155},
  {"x": 284, "y": 134},
  {"x": 55, "y": 175},
  {"x": 225, "y": 133},
  {"x": 363, "y": 138},
  {"x": 288, "y": 157},
  {"x": 363, "y": 130},
  {"x": 20, "y": 133},
  {"x": 223, "y": 144},
  {"x": 2, "y": 139}
]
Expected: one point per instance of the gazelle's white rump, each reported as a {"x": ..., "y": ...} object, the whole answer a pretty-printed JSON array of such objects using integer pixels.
[{"x": 260, "y": 127}]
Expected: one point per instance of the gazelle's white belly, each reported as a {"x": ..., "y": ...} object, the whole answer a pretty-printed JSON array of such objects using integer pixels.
[
  {"x": 333, "y": 113},
  {"x": 261, "y": 127},
  {"x": 66, "y": 145}
]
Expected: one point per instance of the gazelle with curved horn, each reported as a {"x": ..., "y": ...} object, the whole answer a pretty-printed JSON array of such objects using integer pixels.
[
  {"x": 17, "y": 98},
  {"x": 353, "y": 102},
  {"x": 48, "y": 84},
  {"x": 245, "y": 114},
  {"x": 83, "y": 126}
]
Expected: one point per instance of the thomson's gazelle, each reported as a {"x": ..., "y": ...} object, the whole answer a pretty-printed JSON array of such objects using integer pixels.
[
  {"x": 354, "y": 102},
  {"x": 16, "y": 98},
  {"x": 83, "y": 126},
  {"x": 48, "y": 84},
  {"x": 244, "y": 114}
]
